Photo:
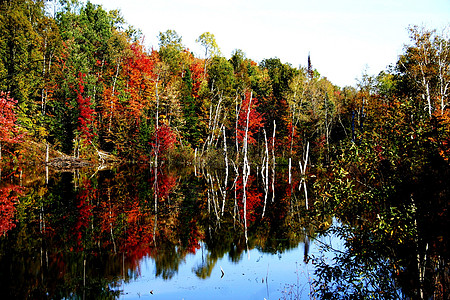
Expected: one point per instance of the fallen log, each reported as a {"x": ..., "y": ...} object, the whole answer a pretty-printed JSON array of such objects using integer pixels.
[{"x": 67, "y": 162}]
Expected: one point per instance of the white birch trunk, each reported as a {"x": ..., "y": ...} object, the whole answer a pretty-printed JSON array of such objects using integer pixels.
[{"x": 112, "y": 95}]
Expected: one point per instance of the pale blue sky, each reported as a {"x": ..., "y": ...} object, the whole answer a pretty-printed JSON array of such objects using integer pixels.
[{"x": 344, "y": 37}]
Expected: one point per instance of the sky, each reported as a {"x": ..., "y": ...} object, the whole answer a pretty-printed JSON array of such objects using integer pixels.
[{"x": 345, "y": 38}]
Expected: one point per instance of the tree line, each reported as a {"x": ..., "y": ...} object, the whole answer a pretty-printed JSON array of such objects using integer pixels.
[{"x": 80, "y": 79}]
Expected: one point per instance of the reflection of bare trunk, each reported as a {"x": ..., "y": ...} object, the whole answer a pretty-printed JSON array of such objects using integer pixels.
[
  {"x": 76, "y": 176},
  {"x": 421, "y": 260},
  {"x": 305, "y": 255},
  {"x": 155, "y": 190},
  {"x": 303, "y": 174},
  {"x": 226, "y": 169},
  {"x": 110, "y": 220},
  {"x": 273, "y": 161},
  {"x": 212, "y": 196},
  {"x": 265, "y": 172},
  {"x": 154, "y": 228},
  {"x": 123, "y": 267},
  {"x": 244, "y": 200},
  {"x": 84, "y": 278},
  {"x": 236, "y": 208},
  {"x": 41, "y": 220}
]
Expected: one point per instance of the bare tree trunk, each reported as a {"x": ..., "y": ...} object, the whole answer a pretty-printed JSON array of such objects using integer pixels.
[
  {"x": 156, "y": 148},
  {"x": 289, "y": 170},
  {"x": 43, "y": 76},
  {"x": 443, "y": 56},
  {"x": 46, "y": 164},
  {"x": 427, "y": 95},
  {"x": 112, "y": 95},
  {"x": 246, "y": 168},
  {"x": 238, "y": 111},
  {"x": 212, "y": 125},
  {"x": 157, "y": 103}
]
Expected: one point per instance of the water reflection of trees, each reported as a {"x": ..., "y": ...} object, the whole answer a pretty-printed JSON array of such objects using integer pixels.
[
  {"x": 396, "y": 240},
  {"x": 86, "y": 235},
  {"x": 86, "y": 232}
]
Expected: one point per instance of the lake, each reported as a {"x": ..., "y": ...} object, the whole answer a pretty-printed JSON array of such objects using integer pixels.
[{"x": 157, "y": 233}]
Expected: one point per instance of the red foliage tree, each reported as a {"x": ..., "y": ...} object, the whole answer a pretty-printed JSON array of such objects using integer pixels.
[
  {"x": 165, "y": 139},
  {"x": 140, "y": 79},
  {"x": 85, "y": 118},
  {"x": 253, "y": 195},
  {"x": 197, "y": 75},
  {"x": 255, "y": 119},
  {"x": 9, "y": 130}
]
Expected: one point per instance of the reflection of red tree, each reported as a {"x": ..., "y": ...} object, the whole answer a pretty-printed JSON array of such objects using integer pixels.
[
  {"x": 194, "y": 237},
  {"x": 166, "y": 184},
  {"x": 255, "y": 198},
  {"x": 139, "y": 231},
  {"x": 108, "y": 218},
  {"x": 84, "y": 215},
  {"x": 8, "y": 198}
]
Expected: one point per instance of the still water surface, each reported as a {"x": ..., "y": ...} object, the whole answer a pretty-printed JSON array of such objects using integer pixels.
[
  {"x": 138, "y": 232},
  {"x": 135, "y": 232},
  {"x": 256, "y": 276}
]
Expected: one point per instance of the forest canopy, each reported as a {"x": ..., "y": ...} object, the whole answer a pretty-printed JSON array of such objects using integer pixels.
[{"x": 81, "y": 80}]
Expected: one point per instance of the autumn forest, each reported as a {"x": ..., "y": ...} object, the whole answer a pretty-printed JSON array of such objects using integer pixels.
[{"x": 78, "y": 83}]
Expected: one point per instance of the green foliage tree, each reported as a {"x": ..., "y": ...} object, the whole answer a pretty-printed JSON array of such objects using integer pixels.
[
  {"x": 27, "y": 38},
  {"x": 221, "y": 76},
  {"x": 208, "y": 41},
  {"x": 171, "y": 51},
  {"x": 423, "y": 69}
]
